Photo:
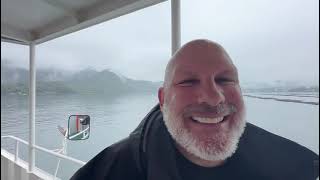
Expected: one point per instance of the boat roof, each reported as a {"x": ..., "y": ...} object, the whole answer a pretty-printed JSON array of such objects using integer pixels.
[{"x": 37, "y": 21}]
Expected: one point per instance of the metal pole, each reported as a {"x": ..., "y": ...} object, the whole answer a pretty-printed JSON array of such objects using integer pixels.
[
  {"x": 175, "y": 26},
  {"x": 32, "y": 105},
  {"x": 56, "y": 172},
  {"x": 16, "y": 155}
]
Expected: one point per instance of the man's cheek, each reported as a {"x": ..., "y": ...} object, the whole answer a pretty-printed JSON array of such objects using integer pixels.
[
  {"x": 171, "y": 100},
  {"x": 234, "y": 95}
]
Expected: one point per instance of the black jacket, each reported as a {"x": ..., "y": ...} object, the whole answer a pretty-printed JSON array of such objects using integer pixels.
[{"x": 148, "y": 153}]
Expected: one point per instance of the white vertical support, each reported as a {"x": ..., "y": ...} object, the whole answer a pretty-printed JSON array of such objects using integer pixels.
[
  {"x": 32, "y": 105},
  {"x": 16, "y": 155},
  {"x": 175, "y": 26}
]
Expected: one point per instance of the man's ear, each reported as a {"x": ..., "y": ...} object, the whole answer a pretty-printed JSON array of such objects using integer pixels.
[{"x": 161, "y": 97}]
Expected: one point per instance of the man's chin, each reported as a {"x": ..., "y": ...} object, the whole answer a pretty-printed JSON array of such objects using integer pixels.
[
  {"x": 212, "y": 143},
  {"x": 214, "y": 148}
]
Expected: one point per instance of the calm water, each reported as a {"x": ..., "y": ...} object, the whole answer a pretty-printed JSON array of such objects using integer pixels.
[{"x": 114, "y": 118}]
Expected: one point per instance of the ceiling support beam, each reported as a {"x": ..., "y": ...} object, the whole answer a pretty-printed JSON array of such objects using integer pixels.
[
  {"x": 13, "y": 33},
  {"x": 14, "y": 41}
]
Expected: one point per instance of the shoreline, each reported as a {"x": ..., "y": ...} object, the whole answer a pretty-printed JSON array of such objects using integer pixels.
[{"x": 284, "y": 100}]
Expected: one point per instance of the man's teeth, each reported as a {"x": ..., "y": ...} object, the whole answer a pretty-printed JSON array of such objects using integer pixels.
[{"x": 208, "y": 120}]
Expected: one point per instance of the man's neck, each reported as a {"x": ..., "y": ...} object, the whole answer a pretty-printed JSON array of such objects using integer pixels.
[{"x": 197, "y": 160}]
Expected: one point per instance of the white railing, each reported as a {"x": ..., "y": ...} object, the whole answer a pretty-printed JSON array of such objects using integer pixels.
[{"x": 56, "y": 154}]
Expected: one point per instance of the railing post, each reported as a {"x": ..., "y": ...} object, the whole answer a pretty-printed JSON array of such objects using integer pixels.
[
  {"x": 56, "y": 172},
  {"x": 175, "y": 26},
  {"x": 16, "y": 154},
  {"x": 32, "y": 105}
]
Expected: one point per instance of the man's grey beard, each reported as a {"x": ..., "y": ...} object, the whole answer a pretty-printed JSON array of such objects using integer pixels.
[{"x": 218, "y": 147}]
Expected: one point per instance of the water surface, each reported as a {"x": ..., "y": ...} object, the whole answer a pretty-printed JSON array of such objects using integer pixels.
[{"x": 114, "y": 118}]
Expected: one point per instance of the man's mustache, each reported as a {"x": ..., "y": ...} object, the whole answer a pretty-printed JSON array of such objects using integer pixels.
[{"x": 222, "y": 109}]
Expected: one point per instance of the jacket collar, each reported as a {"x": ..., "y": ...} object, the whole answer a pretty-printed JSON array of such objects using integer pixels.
[{"x": 156, "y": 148}]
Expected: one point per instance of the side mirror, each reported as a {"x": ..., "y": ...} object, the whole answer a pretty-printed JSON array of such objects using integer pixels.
[{"x": 78, "y": 127}]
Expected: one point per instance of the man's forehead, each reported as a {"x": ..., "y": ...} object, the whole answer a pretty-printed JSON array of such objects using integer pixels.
[
  {"x": 188, "y": 70},
  {"x": 203, "y": 57},
  {"x": 200, "y": 53},
  {"x": 202, "y": 46}
]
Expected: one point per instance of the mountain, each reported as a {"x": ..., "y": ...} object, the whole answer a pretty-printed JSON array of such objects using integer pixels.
[
  {"x": 106, "y": 82},
  {"x": 13, "y": 75},
  {"x": 88, "y": 81}
]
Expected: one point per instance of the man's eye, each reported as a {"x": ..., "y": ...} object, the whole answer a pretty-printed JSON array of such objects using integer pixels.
[
  {"x": 225, "y": 81},
  {"x": 188, "y": 82}
]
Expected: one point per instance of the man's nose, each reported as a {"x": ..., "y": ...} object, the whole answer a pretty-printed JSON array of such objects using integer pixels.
[{"x": 212, "y": 94}]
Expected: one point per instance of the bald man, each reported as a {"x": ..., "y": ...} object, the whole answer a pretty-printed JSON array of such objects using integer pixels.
[{"x": 198, "y": 131}]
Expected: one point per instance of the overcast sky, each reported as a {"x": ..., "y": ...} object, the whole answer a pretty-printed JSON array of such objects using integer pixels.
[{"x": 268, "y": 40}]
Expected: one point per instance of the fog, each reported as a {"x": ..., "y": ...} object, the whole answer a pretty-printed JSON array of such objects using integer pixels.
[{"x": 268, "y": 40}]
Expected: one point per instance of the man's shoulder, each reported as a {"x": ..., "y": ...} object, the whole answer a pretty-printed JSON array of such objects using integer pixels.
[
  {"x": 117, "y": 161},
  {"x": 269, "y": 152},
  {"x": 266, "y": 139}
]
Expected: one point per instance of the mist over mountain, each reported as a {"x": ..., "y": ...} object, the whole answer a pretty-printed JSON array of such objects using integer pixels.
[{"x": 14, "y": 80}]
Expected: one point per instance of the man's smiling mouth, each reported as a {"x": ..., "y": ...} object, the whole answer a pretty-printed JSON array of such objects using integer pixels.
[
  {"x": 207, "y": 120},
  {"x": 209, "y": 115}
]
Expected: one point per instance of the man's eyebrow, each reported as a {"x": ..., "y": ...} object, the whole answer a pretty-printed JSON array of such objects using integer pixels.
[
  {"x": 232, "y": 71},
  {"x": 188, "y": 73},
  {"x": 184, "y": 70}
]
